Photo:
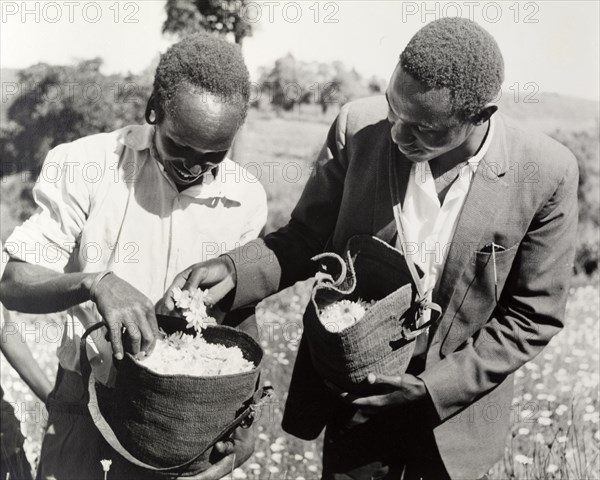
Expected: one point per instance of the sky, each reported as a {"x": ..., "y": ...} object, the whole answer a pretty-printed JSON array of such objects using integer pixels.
[{"x": 550, "y": 46}]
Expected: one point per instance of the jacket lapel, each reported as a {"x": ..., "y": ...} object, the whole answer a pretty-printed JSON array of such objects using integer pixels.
[
  {"x": 486, "y": 192},
  {"x": 384, "y": 224},
  {"x": 475, "y": 219}
]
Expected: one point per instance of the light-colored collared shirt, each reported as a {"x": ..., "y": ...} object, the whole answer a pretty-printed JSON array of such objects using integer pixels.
[
  {"x": 105, "y": 203},
  {"x": 429, "y": 226}
]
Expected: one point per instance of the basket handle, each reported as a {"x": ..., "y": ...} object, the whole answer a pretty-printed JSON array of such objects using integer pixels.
[
  {"x": 422, "y": 301},
  {"x": 84, "y": 361},
  {"x": 244, "y": 419}
]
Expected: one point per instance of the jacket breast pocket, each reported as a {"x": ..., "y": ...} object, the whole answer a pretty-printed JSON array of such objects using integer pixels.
[
  {"x": 483, "y": 289},
  {"x": 490, "y": 271}
]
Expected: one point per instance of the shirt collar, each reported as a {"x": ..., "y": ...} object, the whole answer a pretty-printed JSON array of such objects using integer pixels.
[
  {"x": 475, "y": 159},
  {"x": 423, "y": 178},
  {"x": 140, "y": 137},
  {"x": 136, "y": 137}
]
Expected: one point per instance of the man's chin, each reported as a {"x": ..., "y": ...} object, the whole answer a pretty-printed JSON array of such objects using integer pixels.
[
  {"x": 183, "y": 180},
  {"x": 416, "y": 156}
]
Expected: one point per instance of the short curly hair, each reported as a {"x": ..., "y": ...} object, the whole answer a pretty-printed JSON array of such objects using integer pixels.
[
  {"x": 206, "y": 64},
  {"x": 457, "y": 54}
]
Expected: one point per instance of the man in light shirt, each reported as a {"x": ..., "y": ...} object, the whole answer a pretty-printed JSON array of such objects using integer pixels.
[
  {"x": 435, "y": 161},
  {"x": 129, "y": 210}
]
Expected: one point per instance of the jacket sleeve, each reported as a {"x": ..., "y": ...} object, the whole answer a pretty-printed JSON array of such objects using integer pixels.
[
  {"x": 530, "y": 311},
  {"x": 265, "y": 266}
]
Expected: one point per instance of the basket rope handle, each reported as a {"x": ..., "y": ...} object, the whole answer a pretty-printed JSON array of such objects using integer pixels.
[
  {"x": 422, "y": 301},
  {"x": 326, "y": 278},
  {"x": 244, "y": 419},
  {"x": 84, "y": 361}
]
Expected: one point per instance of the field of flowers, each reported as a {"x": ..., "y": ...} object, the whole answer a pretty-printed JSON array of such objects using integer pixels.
[{"x": 556, "y": 420}]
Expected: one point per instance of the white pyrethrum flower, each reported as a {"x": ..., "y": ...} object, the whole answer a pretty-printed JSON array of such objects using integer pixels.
[
  {"x": 181, "y": 354},
  {"x": 193, "y": 303},
  {"x": 106, "y": 467},
  {"x": 343, "y": 314},
  {"x": 523, "y": 460}
]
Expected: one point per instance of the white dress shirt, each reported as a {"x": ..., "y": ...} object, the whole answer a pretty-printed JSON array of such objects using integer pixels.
[
  {"x": 105, "y": 203},
  {"x": 428, "y": 225}
]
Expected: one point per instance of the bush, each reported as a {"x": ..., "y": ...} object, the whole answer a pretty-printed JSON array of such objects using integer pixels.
[
  {"x": 59, "y": 104},
  {"x": 585, "y": 145}
]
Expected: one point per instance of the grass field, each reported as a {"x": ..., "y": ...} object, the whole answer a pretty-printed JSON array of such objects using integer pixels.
[{"x": 555, "y": 431}]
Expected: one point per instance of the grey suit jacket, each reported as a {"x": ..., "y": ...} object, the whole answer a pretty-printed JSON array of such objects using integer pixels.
[{"x": 523, "y": 197}]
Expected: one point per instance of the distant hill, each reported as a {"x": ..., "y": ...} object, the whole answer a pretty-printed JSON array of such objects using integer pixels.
[{"x": 551, "y": 111}]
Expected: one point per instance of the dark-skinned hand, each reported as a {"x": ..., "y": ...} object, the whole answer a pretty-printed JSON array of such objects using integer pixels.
[
  {"x": 217, "y": 275},
  {"x": 236, "y": 451},
  {"x": 124, "y": 307},
  {"x": 387, "y": 392}
]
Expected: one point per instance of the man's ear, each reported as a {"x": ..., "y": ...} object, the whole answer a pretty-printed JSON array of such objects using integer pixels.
[
  {"x": 485, "y": 114},
  {"x": 150, "y": 113}
]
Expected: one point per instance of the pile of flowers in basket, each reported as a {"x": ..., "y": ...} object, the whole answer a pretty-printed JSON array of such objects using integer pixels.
[
  {"x": 184, "y": 354},
  {"x": 342, "y": 314}
]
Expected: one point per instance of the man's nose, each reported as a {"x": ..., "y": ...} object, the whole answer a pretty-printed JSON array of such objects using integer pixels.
[{"x": 401, "y": 133}]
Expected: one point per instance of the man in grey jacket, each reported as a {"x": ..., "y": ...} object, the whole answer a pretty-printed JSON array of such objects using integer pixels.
[{"x": 490, "y": 211}]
